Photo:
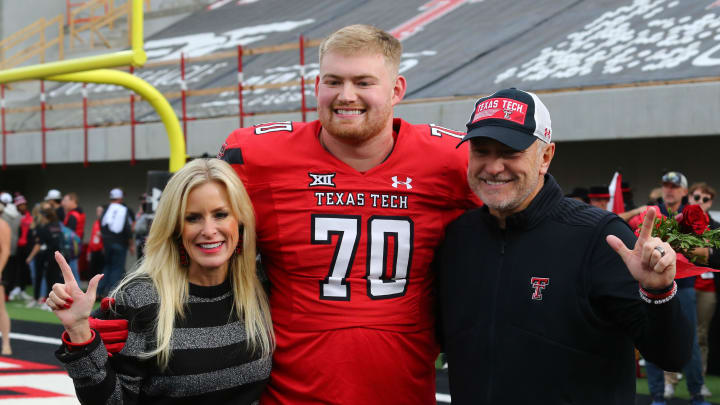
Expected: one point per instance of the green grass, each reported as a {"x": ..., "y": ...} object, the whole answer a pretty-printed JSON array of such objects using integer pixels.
[
  {"x": 17, "y": 310},
  {"x": 712, "y": 382}
]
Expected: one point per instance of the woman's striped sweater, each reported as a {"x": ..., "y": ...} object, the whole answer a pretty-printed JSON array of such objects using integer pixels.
[{"x": 210, "y": 361}]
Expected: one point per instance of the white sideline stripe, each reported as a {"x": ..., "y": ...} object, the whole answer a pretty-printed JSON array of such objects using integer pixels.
[
  {"x": 217, "y": 4},
  {"x": 442, "y": 397},
  {"x": 36, "y": 339}
]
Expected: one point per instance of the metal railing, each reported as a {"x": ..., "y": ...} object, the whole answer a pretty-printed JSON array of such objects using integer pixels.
[
  {"x": 94, "y": 15},
  {"x": 95, "y": 69},
  {"x": 182, "y": 93},
  {"x": 37, "y": 47}
]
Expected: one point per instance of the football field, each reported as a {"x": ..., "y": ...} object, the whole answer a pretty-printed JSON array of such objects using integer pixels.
[{"x": 33, "y": 376}]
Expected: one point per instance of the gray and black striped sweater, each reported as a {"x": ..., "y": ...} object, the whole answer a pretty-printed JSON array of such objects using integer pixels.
[{"x": 210, "y": 362}]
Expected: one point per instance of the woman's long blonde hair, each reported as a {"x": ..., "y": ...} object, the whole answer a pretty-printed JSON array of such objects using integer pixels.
[{"x": 162, "y": 259}]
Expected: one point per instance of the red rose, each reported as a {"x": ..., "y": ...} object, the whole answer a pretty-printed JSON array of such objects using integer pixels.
[
  {"x": 638, "y": 219},
  {"x": 694, "y": 220}
]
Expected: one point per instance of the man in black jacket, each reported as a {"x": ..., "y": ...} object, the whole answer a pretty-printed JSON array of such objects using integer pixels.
[{"x": 535, "y": 305}]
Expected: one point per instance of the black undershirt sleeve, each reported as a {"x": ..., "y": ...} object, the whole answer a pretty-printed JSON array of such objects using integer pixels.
[
  {"x": 714, "y": 260},
  {"x": 661, "y": 332},
  {"x": 72, "y": 222}
]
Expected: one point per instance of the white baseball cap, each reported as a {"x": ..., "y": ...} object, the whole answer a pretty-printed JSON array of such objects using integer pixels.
[
  {"x": 6, "y": 198},
  {"x": 116, "y": 194},
  {"x": 53, "y": 195}
]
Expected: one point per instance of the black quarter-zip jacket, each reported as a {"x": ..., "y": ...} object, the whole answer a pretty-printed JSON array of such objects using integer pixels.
[{"x": 544, "y": 311}]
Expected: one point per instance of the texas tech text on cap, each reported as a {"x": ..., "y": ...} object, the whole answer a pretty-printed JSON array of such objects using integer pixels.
[{"x": 510, "y": 116}]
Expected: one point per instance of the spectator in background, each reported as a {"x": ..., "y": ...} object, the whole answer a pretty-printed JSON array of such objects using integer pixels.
[
  {"x": 142, "y": 224},
  {"x": 54, "y": 198},
  {"x": 703, "y": 195},
  {"x": 674, "y": 193},
  {"x": 599, "y": 197},
  {"x": 654, "y": 196},
  {"x": 75, "y": 220},
  {"x": 50, "y": 237},
  {"x": 662, "y": 385},
  {"x": 95, "y": 246},
  {"x": 705, "y": 286},
  {"x": 35, "y": 263},
  {"x": 116, "y": 230},
  {"x": 628, "y": 196},
  {"x": 11, "y": 215},
  {"x": 4, "y": 255},
  {"x": 630, "y": 209},
  {"x": 24, "y": 246},
  {"x": 580, "y": 194}
]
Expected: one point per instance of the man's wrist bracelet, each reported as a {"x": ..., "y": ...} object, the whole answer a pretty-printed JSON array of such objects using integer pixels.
[
  {"x": 658, "y": 291},
  {"x": 658, "y": 296}
]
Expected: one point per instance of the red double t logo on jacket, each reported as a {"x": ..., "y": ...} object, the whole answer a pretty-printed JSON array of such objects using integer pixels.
[{"x": 539, "y": 284}]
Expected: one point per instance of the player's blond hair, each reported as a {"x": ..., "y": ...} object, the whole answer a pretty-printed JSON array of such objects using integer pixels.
[
  {"x": 360, "y": 38},
  {"x": 161, "y": 263}
]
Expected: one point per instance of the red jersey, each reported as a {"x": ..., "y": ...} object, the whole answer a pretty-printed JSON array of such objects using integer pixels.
[
  {"x": 96, "y": 242},
  {"x": 348, "y": 256},
  {"x": 25, "y": 224},
  {"x": 79, "y": 218},
  {"x": 705, "y": 282}
]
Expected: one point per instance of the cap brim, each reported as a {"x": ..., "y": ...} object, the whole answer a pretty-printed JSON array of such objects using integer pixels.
[{"x": 510, "y": 137}]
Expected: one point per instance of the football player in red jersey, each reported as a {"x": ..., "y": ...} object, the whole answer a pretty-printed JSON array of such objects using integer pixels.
[{"x": 350, "y": 209}]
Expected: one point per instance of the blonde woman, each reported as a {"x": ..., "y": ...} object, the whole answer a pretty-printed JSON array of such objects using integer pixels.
[{"x": 199, "y": 326}]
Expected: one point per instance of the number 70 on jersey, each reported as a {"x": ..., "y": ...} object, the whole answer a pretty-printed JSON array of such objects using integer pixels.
[{"x": 378, "y": 230}]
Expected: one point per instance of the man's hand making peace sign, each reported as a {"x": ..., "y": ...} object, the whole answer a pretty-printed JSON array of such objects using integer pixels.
[{"x": 652, "y": 261}]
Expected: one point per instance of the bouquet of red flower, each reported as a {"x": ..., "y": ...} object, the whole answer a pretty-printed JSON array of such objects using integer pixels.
[{"x": 686, "y": 231}]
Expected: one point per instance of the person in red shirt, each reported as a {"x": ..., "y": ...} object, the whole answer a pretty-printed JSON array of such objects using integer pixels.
[
  {"x": 703, "y": 195},
  {"x": 95, "y": 246},
  {"x": 75, "y": 220},
  {"x": 74, "y": 215},
  {"x": 350, "y": 209}
]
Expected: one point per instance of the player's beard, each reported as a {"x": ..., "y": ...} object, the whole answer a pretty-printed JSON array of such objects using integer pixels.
[{"x": 373, "y": 122}]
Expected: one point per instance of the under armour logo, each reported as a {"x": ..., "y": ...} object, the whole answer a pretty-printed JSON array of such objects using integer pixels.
[
  {"x": 508, "y": 113},
  {"x": 322, "y": 180},
  {"x": 539, "y": 284},
  {"x": 406, "y": 183}
]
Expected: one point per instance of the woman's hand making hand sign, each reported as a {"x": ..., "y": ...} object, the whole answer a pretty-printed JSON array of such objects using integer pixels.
[{"x": 70, "y": 304}]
